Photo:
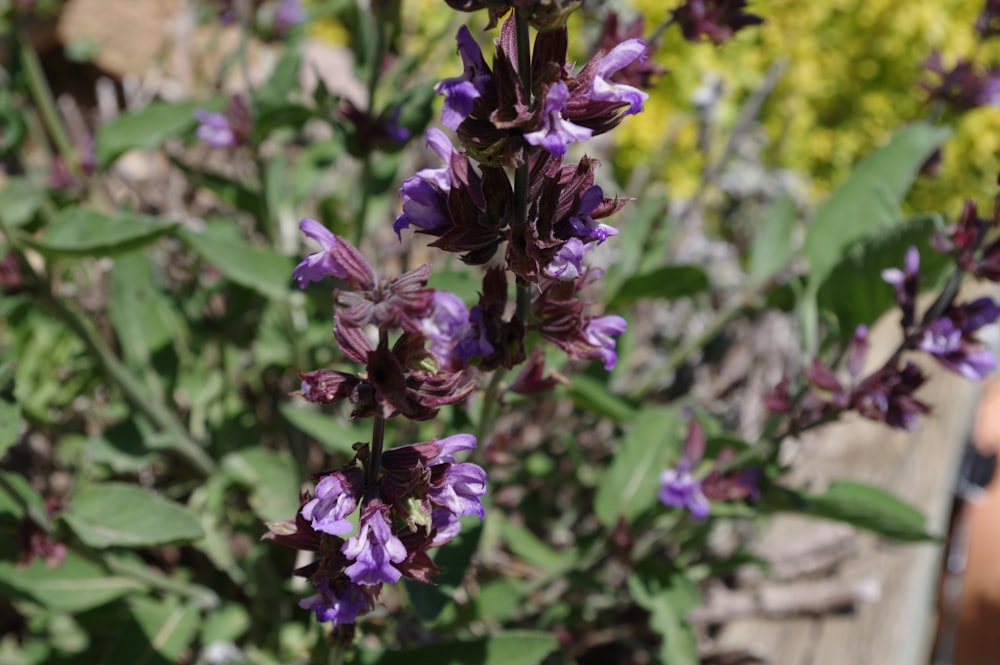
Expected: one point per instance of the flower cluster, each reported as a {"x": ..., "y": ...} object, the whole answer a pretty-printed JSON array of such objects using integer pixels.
[
  {"x": 412, "y": 505},
  {"x": 225, "y": 130},
  {"x": 524, "y": 115},
  {"x": 407, "y": 499},
  {"x": 963, "y": 87},
  {"x": 681, "y": 488}
]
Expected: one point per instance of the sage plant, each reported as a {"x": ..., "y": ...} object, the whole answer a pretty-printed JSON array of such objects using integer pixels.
[{"x": 504, "y": 188}]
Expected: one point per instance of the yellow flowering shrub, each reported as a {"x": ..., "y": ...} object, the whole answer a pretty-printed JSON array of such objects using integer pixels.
[{"x": 852, "y": 77}]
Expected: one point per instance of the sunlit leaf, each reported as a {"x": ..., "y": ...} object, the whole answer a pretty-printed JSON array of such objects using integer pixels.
[{"x": 110, "y": 514}]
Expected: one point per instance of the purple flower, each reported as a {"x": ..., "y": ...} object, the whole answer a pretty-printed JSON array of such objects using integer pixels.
[
  {"x": 905, "y": 283},
  {"x": 341, "y": 605},
  {"x": 446, "y": 526},
  {"x": 598, "y": 334},
  {"x": 567, "y": 263},
  {"x": 461, "y": 92},
  {"x": 555, "y": 132},
  {"x": 476, "y": 343},
  {"x": 857, "y": 351},
  {"x": 424, "y": 195},
  {"x": 585, "y": 226},
  {"x": 464, "y": 483},
  {"x": 214, "y": 129},
  {"x": 337, "y": 258},
  {"x": 288, "y": 15},
  {"x": 462, "y": 487},
  {"x": 680, "y": 489},
  {"x": 447, "y": 324},
  {"x": 618, "y": 58},
  {"x": 374, "y": 549},
  {"x": 951, "y": 338},
  {"x": 337, "y": 497}
]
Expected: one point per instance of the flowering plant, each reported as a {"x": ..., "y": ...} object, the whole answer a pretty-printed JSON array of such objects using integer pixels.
[{"x": 354, "y": 378}]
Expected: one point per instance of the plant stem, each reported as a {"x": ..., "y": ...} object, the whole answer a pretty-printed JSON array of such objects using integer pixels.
[
  {"x": 366, "y": 162},
  {"x": 39, "y": 87},
  {"x": 491, "y": 398},
  {"x": 130, "y": 387},
  {"x": 378, "y": 426}
]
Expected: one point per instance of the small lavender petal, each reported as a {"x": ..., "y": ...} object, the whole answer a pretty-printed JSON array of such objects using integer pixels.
[
  {"x": 567, "y": 264},
  {"x": 555, "y": 133},
  {"x": 214, "y": 129},
  {"x": 598, "y": 334},
  {"x": 680, "y": 489},
  {"x": 340, "y": 606},
  {"x": 373, "y": 549},
  {"x": 618, "y": 58}
]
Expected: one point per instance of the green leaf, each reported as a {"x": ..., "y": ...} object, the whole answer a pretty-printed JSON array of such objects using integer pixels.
[
  {"x": 855, "y": 291},
  {"x": 594, "y": 395},
  {"x": 80, "y": 231},
  {"x": 869, "y": 199},
  {"x": 226, "y": 624},
  {"x": 508, "y": 648},
  {"x": 866, "y": 202},
  {"x": 272, "y": 479},
  {"x": 76, "y": 585},
  {"x": 157, "y": 632},
  {"x": 636, "y": 247},
  {"x": 771, "y": 249},
  {"x": 17, "y": 497},
  {"x": 529, "y": 548},
  {"x": 668, "y": 595},
  {"x": 335, "y": 435},
  {"x": 868, "y": 507},
  {"x": 630, "y": 484},
  {"x": 141, "y": 315},
  {"x": 262, "y": 270},
  {"x": 146, "y": 128},
  {"x": 19, "y": 201},
  {"x": 454, "y": 559},
  {"x": 664, "y": 283},
  {"x": 499, "y": 600},
  {"x": 10, "y": 410},
  {"x": 119, "y": 514}
]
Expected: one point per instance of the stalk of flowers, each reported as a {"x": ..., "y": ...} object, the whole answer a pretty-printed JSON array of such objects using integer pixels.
[
  {"x": 408, "y": 499},
  {"x": 521, "y": 113},
  {"x": 946, "y": 330}
]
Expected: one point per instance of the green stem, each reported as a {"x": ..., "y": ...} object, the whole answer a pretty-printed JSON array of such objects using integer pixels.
[
  {"x": 378, "y": 426},
  {"x": 130, "y": 387},
  {"x": 366, "y": 161},
  {"x": 491, "y": 398},
  {"x": 40, "y": 92}
]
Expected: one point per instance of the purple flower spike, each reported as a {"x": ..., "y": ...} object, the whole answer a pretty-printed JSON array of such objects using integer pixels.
[
  {"x": 374, "y": 549},
  {"x": 336, "y": 498},
  {"x": 214, "y": 129},
  {"x": 567, "y": 263},
  {"x": 680, "y": 489},
  {"x": 341, "y": 605},
  {"x": 598, "y": 334},
  {"x": 555, "y": 132},
  {"x": 620, "y": 57},
  {"x": 461, "y": 92},
  {"x": 337, "y": 258}
]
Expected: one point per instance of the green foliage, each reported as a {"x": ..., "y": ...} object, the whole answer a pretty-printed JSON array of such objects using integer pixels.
[
  {"x": 510, "y": 648},
  {"x": 147, "y": 128},
  {"x": 868, "y": 507},
  {"x": 80, "y": 231},
  {"x": 119, "y": 514},
  {"x": 630, "y": 483}
]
